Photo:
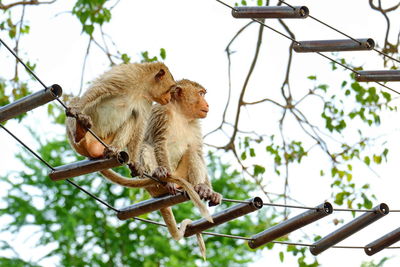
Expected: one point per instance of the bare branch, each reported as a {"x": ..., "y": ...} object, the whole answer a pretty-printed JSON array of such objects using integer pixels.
[
  {"x": 24, "y": 3},
  {"x": 84, "y": 64},
  {"x": 228, "y": 54},
  {"x": 242, "y": 93}
]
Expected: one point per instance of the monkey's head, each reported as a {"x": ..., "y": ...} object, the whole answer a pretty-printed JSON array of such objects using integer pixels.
[
  {"x": 161, "y": 83},
  {"x": 190, "y": 97}
]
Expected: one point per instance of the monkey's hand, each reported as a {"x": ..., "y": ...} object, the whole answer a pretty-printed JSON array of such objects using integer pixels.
[
  {"x": 172, "y": 188},
  {"x": 84, "y": 120},
  {"x": 161, "y": 173},
  {"x": 136, "y": 169},
  {"x": 215, "y": 199},
  {"x": 204, "y": 191}
]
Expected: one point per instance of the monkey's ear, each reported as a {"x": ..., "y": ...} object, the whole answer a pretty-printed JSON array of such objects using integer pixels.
[
  {"x": 177, "y": 92},
  {"x": 160, "y": 75}
]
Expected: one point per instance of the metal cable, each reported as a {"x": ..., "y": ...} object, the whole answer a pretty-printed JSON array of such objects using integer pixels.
[
  {"x": 23, "y": 64},
  {"x": 249, "y": 238},
  {"x": 342, "y": 33},
  {"x": 299, "y": 207},
  {"x": 319, "y": 53},
  {"x": 27, "y": 147},
  {"x": 45, "y": 87},
  {"x": 227, "y": 200},
  {"x": 93, "y": 196},
  {"x": 51, "y": 168}
]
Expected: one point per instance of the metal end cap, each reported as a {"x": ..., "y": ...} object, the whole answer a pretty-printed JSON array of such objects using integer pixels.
[
  {"x": 123, "y": 157},
  {"x": 383, "y": 208},
  {"x": 304, "y": 11},
  {"x": 328, "y": 208},
  {"x": 369, "y": 251},
  {"x": 370, "y": 43},
  {"x": 257, "y": 202},
  {"x": 56, "y": 90}
]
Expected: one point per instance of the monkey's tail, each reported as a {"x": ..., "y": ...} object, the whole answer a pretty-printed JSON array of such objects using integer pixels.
[
  {"x": 188, "y": 187},
  {"x": 200, "y": 240},
  {"x": 125, "y": 181}
]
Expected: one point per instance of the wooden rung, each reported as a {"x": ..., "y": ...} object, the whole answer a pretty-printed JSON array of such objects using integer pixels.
[
  {"x": 88, "y": 166},
  {"x": 351, "y": 228},
  {"x": 333, "y": 45},
  {"x": 290, "y": 225},
  {"x": 383, "y": 242},
  {"x": 30, "y": 102},
  {"x": 224, "y": 216},
  {"x": 268, "y": 12},
  {"x": 378, "y": 76},
  {"x": 151, "y": 205}
]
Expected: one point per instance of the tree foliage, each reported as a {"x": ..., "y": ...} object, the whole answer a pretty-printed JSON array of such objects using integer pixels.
[{"x": 81, "y": 231}]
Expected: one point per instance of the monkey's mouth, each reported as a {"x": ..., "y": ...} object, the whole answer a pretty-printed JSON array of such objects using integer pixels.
[{"x": 205, "y": 111}]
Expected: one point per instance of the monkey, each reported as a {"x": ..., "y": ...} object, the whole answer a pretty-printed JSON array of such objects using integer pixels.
[
  {"x": 172, "y": 148},
  {"x": 116, "y": 107}
]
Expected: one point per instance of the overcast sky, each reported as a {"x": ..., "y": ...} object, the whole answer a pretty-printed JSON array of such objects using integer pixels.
[{"x": 195, "y": 34}]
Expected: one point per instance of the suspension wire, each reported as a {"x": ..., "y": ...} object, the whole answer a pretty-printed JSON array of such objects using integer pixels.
[
  {"x": 23, "y": 64},
  {"x": 45, "y": 87},
  {"x": 51, "y": 168},
  {"x": 342, "y": 33},
  {"x": 65, "y": 107},
  {"x": 93, "y": 196},
  {"x": 27, "y": 147},
  {"x": 224, "y": 199},
  {"x": 299, "y": 207},
  {"x": 295, "y": 41},
  {"x": 250, "y": 239},
  {"x": 164, "y": 225}
]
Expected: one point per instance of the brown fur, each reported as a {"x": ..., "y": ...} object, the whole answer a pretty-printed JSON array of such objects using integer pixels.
[
  {"x": 173, "y": 142},
  {"x": 118, "y": 105}
]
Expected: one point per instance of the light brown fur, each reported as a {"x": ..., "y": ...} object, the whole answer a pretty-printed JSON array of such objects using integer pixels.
[
  {"x": 118, "y": 105},
  {"x": 173, "y": 145}
]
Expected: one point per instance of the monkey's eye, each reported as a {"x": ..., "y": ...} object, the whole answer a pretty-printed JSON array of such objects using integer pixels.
[{"x": 202, "y": 93}]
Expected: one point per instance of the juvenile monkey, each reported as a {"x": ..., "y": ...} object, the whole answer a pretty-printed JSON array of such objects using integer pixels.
[
  {"x": 173, "y": 148},
  {"x": 117, "y": 106}
]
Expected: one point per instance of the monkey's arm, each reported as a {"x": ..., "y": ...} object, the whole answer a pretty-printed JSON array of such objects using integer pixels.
[
  {"x": 198, "y": 176},
  {"x": 159, "y": 124},
  {"x": 99, "y": 91}
]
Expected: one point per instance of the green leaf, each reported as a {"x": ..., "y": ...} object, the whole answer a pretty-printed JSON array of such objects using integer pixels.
[
  {"x": 377, "y": 159},
  {"x": 258, "y": 170},
  {"x": 125, "y": 58},
  {"x": 88, "y": 29},
  {"x": 281, "y": 256},
  {"x": 252, "y": 153},
  {"x": 163, "y": 53},
  {"x": 312, "y": 77}
]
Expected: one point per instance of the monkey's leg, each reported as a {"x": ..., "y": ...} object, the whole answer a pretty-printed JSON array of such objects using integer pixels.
[
  {"x": 135, "y": 133},
  {"x": 77, "y": 122}
]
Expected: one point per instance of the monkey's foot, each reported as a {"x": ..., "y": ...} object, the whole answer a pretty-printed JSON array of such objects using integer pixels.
[
  {"x": 110, "y": 152},
  {"x": 215, "y": 199},
  {"x": 204, "y": 191},
  {"x": 82, "y": 119},
  {"x": 161, "y": 173},
  {"x": 136, "y": 169},
  {"x": 172, "y": 188}
]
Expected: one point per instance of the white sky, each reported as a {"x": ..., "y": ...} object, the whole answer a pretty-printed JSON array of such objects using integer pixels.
[{"x": 195, "y": 36}]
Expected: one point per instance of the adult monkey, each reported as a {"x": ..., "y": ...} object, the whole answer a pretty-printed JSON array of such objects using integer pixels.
[
  {"x": 172, "y": 148},
  {"x": 117, "y": 106}
]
